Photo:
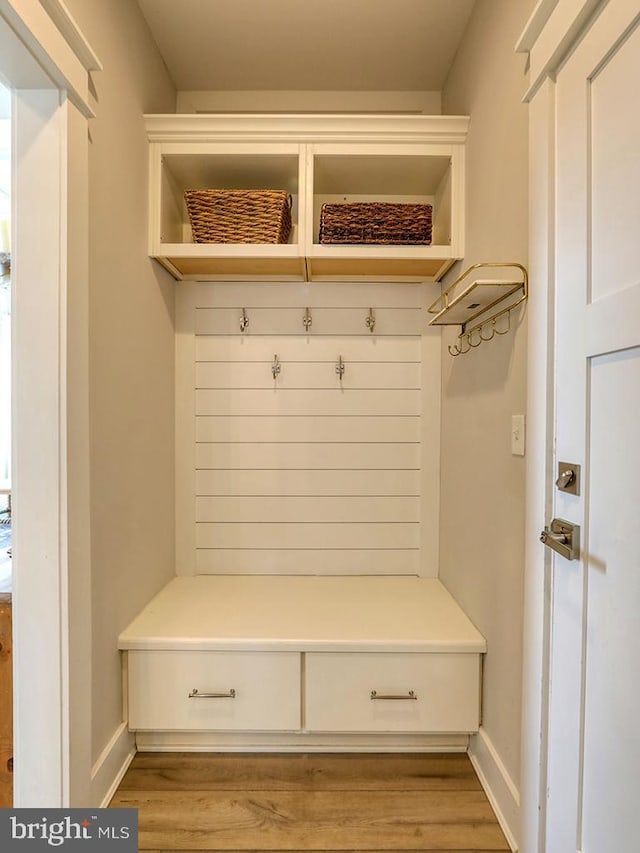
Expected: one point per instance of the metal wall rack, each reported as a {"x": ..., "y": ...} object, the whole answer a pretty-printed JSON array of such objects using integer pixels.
[{"x": 477, "y": 304}]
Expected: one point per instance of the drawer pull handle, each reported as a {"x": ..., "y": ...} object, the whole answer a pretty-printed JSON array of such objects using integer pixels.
[
  {"x": 195, "y": 694},
  {"x": 410, "y": 695}
]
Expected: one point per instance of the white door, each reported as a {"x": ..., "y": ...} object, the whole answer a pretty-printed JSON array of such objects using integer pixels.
[{"x": 594, "y": 747}]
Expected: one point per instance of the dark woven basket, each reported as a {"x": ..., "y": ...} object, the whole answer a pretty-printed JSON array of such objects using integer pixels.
[
  {"x": 239, "y": 216},
  {"x": 379, "y": 223}
]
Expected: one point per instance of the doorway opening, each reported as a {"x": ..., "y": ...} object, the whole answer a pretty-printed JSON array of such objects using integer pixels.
[
  {"x": 6, "y": 657},
  {"x": 5, "y": 339}
]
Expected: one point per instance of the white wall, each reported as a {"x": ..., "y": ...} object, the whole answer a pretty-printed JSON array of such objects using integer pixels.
[
  {"x": 287, "y": 475},
  {"x": 131, "y": 346},
  {"x": 482, "y": 497}
]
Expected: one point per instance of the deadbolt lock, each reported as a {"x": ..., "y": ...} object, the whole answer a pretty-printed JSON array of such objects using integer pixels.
[{"x": 568, "y": 478}]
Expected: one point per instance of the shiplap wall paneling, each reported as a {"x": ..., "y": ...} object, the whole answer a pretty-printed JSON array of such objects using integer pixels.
[{"x": 305, "y": 473}]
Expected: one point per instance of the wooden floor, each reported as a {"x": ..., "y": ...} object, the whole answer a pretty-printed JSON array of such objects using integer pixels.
[{"x": 230, "y": 802}]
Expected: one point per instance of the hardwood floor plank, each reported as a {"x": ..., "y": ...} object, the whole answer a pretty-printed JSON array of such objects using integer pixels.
[
  {"x": 204, "y": 772},
  {"x": 320, "y": 821},
  {"x": 253, "y": 803}
]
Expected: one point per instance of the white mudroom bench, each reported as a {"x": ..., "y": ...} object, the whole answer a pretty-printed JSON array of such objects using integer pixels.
[{"x": 302, "y": 663}]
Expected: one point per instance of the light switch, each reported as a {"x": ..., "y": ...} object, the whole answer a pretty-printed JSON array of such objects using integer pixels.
[{"x": 517, "y": 435}]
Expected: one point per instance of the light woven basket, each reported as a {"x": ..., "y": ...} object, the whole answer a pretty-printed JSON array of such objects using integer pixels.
[
  {"x": 239, "y": 216},
  {"x": 381, "y": 223}
]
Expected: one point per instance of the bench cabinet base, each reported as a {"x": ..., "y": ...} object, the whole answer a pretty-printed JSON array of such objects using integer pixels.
[{"x": 212, "y": 663}]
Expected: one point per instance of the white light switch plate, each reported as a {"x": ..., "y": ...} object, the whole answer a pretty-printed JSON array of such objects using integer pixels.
[{"x": 517, "y": 435}]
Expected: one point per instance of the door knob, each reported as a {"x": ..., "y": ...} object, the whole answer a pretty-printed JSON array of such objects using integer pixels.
[{"x": 563, "y": 537}]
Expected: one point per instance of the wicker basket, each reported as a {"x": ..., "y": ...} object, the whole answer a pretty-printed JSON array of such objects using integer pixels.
[
  {"x": 381, "y": 223},
  {"x": 239, "y": 216}
]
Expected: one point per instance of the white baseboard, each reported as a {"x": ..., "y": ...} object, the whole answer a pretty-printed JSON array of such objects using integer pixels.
[
  {"x": 111, "y": 766},
  {"x": 296, "y": 742},
  {"x": 499, "y": 787}
]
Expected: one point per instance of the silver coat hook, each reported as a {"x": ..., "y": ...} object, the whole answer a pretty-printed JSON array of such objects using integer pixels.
[
  {"x": 306, "y": 319},
  {"x": 370, "y": 320},
  {"x": 276, "y": 367},
  {"x": 340, "y": 367},
  {"x": 244, "y": 321}
]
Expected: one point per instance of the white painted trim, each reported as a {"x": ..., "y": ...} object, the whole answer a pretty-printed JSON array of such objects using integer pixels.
[
  {"x": 51, "y": 555},
  {"x": 296, "y": 742},
  {"x": 567, "y": 21},
  {"x": 49, "y": 46},
  {"x": 539, "y": 475},
  {"x": 430, "y": 426},
  {"x": 18, "y": 67},
  {"x": 498, "y": 785},
  {"x": 448, "y": 130},
  {"x": 64, "y": 21},
  {"x": 39, "y": 481},
  {"x": 185, "y": 487},
  {"x": 535, "y": 25},
  {"x": 77, "y": 614},
  {"x": 113, "y": 763}
]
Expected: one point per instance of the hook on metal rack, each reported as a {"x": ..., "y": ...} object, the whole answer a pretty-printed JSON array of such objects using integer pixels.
[
  {"x": 456, "y": 349},
  {"x": 244, "y": 321},
  {"x": 508, "y": 329},
  {"x": 490, "y": 299},
  {"x": 470, "y": 337},
  {"x": 493, "y": 331},
  {"x": 468, "y": 334},
  {"x": 340, "y": 367},
  {"x": 307, "y": 319}
]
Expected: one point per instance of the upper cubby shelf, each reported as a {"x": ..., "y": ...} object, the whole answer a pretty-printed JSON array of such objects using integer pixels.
[{"x": 317, "y": 159}]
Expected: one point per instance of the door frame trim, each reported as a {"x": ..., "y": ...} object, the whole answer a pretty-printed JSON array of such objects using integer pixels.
[
  {"x": 553, "y": 30},
  {"x": 52, "y": 592}
]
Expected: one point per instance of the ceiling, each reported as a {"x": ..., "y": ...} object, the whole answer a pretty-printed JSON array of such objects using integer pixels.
[{"x": 316, "y": 45}]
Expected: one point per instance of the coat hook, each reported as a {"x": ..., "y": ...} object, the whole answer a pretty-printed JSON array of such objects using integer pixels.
[
  {"x": 276, "y": 367},
  {"x": 370, "y": 320},
  {"x": 470, "y": 336},
  {"x": 306, "y": 319},
  {"x": 340, "y": 368},
  {"x": 244, "y": 321},
  {"x": 457, "y": 349},
  {"x": 493, "y": 330}
]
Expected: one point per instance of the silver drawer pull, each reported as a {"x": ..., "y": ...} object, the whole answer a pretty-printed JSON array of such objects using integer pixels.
[
  {"x": 195, "y": 694},
  {"x": 410, "y": 695}
]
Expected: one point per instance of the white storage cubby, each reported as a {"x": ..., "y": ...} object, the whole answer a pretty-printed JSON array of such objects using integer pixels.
[
  {"x": 396, "y": 173},
  {"x": 181, "y": 166},
  {"x": 317, "y": 159}
]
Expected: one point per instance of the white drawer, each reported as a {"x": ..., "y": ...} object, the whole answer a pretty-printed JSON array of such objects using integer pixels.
[
  {"x": 265, "y": 688},
  {"x": 339, "y": 689}
]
